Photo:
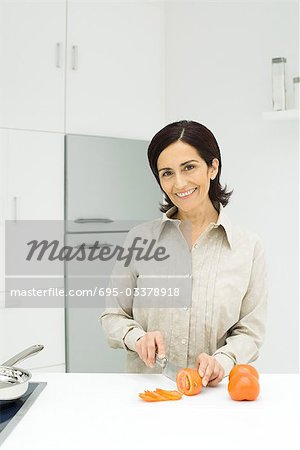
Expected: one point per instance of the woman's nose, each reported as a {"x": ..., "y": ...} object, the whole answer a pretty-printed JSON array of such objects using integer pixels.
[{"x": 180, "y": 181}]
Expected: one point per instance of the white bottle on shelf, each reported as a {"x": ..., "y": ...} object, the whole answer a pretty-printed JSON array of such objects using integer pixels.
[{"x": 278, "y": 84}]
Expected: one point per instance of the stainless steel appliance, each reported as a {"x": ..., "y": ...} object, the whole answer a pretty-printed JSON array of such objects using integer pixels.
[{"x": 109, "y": 189}]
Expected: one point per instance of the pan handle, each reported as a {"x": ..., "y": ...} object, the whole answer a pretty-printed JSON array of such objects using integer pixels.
[{"x": 23, "y": 355}]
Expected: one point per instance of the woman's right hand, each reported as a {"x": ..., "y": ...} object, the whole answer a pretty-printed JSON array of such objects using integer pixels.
[{"x": 150, "y": 344}]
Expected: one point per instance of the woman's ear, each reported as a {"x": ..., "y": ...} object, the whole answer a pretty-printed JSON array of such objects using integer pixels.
[{"x": 214, "y": 169}]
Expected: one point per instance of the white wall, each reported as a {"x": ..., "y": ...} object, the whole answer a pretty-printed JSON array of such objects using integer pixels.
[{"x": 218, "y": 72}]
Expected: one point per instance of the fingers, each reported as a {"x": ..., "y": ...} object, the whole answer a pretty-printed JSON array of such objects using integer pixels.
[
  {"x": 144, "y": 352},
  {"x": 160, "y": 344},
  {"x": 210, "y": 370},
  {"x": 150, "y": 344},
  {"x": 214, "y": 381},
  {"x": 151, "y": 351},
  {"x": 203, "y": 363}
]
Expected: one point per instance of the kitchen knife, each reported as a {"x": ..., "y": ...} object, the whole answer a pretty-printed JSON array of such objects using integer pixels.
[{"x": 169, "y": 369}]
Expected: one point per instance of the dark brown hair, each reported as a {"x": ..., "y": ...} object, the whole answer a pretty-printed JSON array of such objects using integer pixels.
[{"x": 202, "y": 139}]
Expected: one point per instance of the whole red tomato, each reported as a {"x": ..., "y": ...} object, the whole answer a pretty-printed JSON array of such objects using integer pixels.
[
  {"x": 243, "y": 369},
  {"x": 243, "y": 387}
]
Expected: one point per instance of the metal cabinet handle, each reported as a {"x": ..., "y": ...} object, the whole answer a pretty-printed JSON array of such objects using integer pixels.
[
  {"x": 93, "y": 245},
  {"x": 58, "y": 55},
  {"x": 74, "y": 57},
  {"x": 93, "y": 220}
]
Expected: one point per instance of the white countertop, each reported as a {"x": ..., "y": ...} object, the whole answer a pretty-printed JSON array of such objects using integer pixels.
[{"x": 87, "y": 411}]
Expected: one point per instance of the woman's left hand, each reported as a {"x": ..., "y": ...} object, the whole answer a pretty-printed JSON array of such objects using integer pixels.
[{"x": 209, "y": 369}]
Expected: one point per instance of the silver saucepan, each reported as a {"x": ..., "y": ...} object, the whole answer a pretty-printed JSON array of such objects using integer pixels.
[{"x": 13, "y": 380}]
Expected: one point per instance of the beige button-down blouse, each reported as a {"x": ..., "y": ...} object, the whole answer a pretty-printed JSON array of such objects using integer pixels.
[{"x": 221, "y": 309}]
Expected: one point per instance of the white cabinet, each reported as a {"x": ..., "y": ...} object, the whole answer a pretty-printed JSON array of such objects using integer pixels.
[
  {"x": 32, "y": 173},
  {"x": 90, "y": 67},
  {"x": 35, "y": 175},
  {"x": 115, "y": 68},
  {"x": 32, "y": 75}
]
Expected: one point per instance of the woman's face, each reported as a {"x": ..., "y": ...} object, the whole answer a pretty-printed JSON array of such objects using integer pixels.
[{"x": 182, "y": 171}]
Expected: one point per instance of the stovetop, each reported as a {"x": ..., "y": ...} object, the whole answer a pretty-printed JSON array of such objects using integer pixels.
[{"x": 12, "y": 411}]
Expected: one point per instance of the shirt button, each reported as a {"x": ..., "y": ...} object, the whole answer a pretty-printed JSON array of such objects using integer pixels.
[
  {"x": 196, "y": 245},
  {"x": 183, "y": 341}
]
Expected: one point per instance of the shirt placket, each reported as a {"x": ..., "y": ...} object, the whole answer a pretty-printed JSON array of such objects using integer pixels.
[
  {"x": 181, "y": 324},
  {"x": 201, "y": 308}
]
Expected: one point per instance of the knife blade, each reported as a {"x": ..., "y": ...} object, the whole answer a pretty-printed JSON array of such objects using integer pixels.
[{"x": 169, "y": 369}]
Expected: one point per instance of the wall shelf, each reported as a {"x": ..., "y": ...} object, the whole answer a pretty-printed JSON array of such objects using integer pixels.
[{"x": 288, "y": 114}]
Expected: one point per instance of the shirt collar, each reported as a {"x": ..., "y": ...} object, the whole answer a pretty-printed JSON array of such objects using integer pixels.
[{"x": 223, "y": 220}]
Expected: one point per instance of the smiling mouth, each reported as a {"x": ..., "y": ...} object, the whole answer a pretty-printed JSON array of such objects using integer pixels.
[{"x": 186, "y": 193}]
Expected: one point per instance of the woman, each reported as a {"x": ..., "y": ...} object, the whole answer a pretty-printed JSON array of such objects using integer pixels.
[{"x": 224, "y": 323}]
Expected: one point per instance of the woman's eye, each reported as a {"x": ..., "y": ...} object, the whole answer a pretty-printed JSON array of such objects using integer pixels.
[{"x": 167, "y": 172}]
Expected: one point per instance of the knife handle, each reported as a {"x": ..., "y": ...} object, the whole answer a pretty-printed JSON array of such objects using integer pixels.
[{"x": 161, "y": 362}]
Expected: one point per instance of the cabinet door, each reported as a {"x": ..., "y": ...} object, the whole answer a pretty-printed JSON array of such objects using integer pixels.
[
  {"x": 35, "y": 167},
  {"x": 115, "y": 68},
  {"x": 32, "y": 75},
  {"x": 33, "y": 189}
]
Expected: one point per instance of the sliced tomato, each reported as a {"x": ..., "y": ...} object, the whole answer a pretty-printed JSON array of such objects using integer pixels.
[
  {"x": 147, "y": 398},
  {"x": 160, "y": 395},
  {"x": 189, "y": 381},
  {"x": 155, "y": 395},
  {"x": 170, "y": 395}
]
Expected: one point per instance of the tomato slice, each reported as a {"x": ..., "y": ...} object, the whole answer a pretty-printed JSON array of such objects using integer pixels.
[
  {"x": 170, "y": 395},
  {"x": 155, "y": 395},
  {"x": 147, "y": 398},
  {"x": 160, "y": 395}
]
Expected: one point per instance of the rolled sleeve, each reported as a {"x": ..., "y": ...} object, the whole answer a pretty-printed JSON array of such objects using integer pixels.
[
  {"x": 226, "y": 361},
  {"x": 117, "y": 320},
  {"x": 132, "y": 337}
]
